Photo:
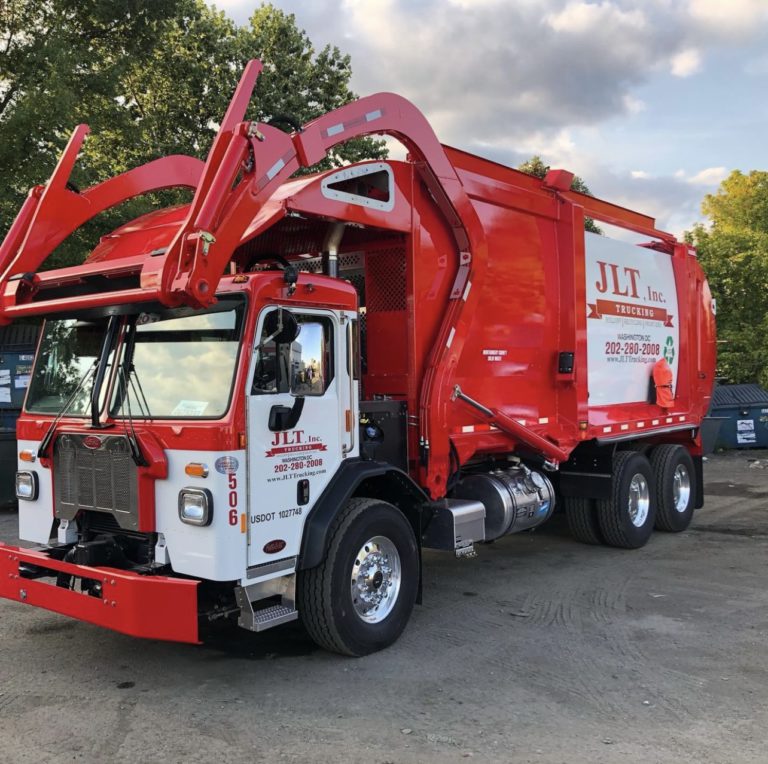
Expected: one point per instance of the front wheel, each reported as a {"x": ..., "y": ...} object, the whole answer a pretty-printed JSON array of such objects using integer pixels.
[{"x": 360, "y": 597}]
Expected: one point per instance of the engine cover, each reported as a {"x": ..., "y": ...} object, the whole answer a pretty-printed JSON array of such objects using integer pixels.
[{"x": 515, "y": 499}]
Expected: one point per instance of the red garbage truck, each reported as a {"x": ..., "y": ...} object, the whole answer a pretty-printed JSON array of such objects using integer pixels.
[{"x": 264, "y": 404}]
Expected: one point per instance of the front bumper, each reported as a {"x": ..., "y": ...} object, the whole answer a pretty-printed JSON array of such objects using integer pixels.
[{"x": 153, "y": 607}]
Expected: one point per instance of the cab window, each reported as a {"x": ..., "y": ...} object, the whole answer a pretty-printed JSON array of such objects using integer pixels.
[{"x": 302, "y": 367}]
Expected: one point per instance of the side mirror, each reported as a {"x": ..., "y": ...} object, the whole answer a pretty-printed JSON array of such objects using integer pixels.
[
  {"x": 285, "y": 418},
  {"x": 281, "y": 326}
]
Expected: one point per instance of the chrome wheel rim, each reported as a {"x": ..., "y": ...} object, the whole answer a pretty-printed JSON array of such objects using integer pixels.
[
  {"x": 376, "y": 577},
  {"x": 639, "y": 500},
  {"x": 681, "y": 488}
]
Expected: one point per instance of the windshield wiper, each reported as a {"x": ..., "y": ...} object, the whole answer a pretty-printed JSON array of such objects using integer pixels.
[
  {"x": 127, "y": 373},
  {"x": 46, "y": 441},
  {"x": 142, "y": 401}
]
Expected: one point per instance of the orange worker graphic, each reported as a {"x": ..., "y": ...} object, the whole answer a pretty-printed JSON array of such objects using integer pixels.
[{"x": 662, "y": 379}]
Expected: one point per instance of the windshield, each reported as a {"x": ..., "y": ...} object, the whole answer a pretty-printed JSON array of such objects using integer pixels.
[
  {"x": 68, "y": 350},
  {"x": 182, "y": 366}
]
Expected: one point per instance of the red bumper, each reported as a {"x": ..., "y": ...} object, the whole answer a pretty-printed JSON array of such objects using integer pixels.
[{"x": 154, "y": 607}]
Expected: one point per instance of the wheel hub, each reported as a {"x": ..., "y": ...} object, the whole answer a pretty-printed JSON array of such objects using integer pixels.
[
  {"x": 639, "y": 500},
  {"x": 681, "y": 488},
  {"x": 376, "y": 575}
]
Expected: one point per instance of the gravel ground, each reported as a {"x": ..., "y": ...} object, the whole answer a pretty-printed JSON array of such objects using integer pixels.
[{"x": 539, "y": 650}]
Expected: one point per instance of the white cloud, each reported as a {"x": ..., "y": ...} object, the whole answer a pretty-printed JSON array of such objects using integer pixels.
[
  {"x": 685, "y": 63},
  {"x": 729, "y": 18},
  {"x": 585, "y": 18},
  {"x": 546, "y": 144},
  {"x": 711, "y": 176},
  {"x": 639, "y": 174},
  {"x": 672, "y": 202}
]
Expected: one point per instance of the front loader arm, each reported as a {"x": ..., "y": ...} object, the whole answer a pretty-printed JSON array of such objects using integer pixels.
[
  {"x": 246, "y": 164},
  {"x": 52, "y": 212}
]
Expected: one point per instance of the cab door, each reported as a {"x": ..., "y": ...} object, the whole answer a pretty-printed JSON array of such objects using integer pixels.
[{"x": 301, "y": 402}]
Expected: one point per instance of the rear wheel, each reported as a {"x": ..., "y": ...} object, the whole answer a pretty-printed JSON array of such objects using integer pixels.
[
  {"x": 359, "y": 599},
  {"x": 673, "y": 473},
  {"x": 582, "y": 519},
  {"x": 626, "y": 519}
]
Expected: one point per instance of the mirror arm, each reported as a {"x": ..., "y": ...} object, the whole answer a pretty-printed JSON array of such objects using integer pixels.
[{"x": 274, "y": 334}]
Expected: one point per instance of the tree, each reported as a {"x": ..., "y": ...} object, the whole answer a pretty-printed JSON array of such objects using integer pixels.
[
  {"x": 734, "y": 254},
  {"x": 156, "y": 81},
  {"x": 740, "y": 204},
  {"x": 535, "y": 166},
  {"x": 56, "y": 58}
]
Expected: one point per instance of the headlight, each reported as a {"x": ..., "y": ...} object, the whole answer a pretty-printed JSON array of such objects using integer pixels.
[
  {"x": 195, "y": 506},
  {"x": 26, "y": 485}
]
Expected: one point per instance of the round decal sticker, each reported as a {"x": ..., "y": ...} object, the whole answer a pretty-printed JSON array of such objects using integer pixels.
[{"x": 226, "y": 465}]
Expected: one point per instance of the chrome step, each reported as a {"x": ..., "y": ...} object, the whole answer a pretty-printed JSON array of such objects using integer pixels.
[
  {"x": 263, "y": 618},
  {"x": 273, "y": 616}
]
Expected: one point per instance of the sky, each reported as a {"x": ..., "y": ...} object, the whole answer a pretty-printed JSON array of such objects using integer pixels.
[{"x": 652, "y": 102}]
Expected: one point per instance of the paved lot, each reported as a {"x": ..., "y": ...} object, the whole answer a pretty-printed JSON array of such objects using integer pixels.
[{"x": 540, "y": 650}]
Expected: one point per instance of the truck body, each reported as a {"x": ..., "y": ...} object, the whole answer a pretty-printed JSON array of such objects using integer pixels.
[{"x": 264, "y": 404}]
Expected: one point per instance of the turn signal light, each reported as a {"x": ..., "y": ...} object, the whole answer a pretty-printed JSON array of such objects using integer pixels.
[
  {"x": 27, "y": 455},
  {"x": 196, "y": 469}
]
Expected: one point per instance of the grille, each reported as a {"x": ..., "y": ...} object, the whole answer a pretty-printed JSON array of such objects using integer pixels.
[
  {"x": 385, "y": 280},
  {"x": 102, "y": 479}
]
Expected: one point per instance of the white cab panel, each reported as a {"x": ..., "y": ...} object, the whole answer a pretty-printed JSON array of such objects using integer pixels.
[
  {"x": 36, "y": 517},
  {"x": 217, "y": 551}
]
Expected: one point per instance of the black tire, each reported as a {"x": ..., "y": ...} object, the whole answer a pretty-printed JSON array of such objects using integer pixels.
[
  {"x": 613, "y": 514},
  {"x": 582, "y": 519},
  {"x": 324, "y": 593},
  {"x": 666, "y": 460}
]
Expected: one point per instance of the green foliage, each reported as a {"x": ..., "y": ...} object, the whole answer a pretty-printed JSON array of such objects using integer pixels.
[
  {"x": 57, "y": 58},
  {"x": 151, "y": 78},
  {"x": 740, "y": 204},
  {"x": 535, "y": 166},
  {"x": 734, "y": 255}
]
